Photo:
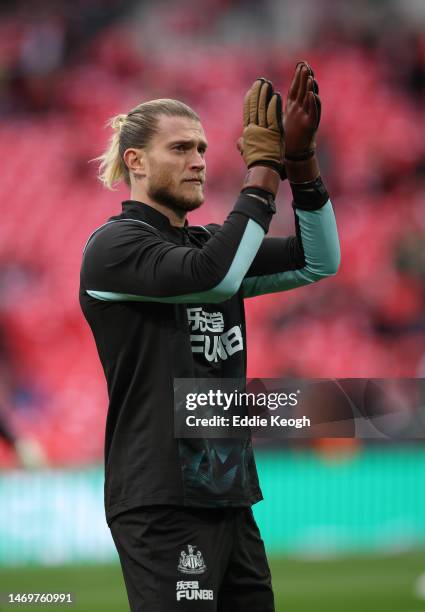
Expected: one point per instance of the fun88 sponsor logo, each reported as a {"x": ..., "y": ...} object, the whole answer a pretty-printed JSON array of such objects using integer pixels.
[{"x": 189, "y": 589}]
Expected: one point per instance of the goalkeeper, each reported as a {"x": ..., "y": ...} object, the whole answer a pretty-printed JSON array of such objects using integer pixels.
[{"x": 165, "y": 300}]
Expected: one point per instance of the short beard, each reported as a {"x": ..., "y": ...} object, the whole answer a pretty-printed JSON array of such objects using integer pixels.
[{"x": 163, "y": 195}]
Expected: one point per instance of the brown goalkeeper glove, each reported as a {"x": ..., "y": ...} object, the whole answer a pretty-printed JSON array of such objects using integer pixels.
[
  {"x": 262, "y": 141},
  {"x": 301, "y": 121}
]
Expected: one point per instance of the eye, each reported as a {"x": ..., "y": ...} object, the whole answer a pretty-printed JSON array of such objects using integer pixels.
[{"x": 180, "y": 147}]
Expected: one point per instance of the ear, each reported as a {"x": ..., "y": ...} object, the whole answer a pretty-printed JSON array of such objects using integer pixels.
[{"x": 135, "y": 161}]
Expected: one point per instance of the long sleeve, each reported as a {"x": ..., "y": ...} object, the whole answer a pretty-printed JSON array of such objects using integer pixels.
[
  {"x": 129, "y": 260},
  {"x": 286, "y": 263}
]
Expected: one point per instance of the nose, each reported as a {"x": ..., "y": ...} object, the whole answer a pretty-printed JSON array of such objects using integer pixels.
[{"x": 197, "y": 162}]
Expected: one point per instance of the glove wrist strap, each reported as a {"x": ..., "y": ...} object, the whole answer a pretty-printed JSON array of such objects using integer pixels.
[
  {"x": 303, "y": 171},
  {"x": 262, "y": 177},
  {"x": 301, "y": 156}
]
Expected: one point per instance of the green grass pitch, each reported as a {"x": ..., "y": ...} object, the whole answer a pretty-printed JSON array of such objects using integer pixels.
[{"x": 355, "y": 584}]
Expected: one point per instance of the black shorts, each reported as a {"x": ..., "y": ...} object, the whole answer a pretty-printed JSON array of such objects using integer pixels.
[{"x": 178, "y": 559}]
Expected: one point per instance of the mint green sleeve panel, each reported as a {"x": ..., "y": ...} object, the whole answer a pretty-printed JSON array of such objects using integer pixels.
[
  {"x": 320, "y": 242},
  {"x": 244, "y": 256}
]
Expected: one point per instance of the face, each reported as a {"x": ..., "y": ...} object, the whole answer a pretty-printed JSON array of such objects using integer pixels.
[{"x": 175, "y": 164}]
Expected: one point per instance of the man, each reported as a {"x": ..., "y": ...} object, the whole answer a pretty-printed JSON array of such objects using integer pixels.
[{"x": 165, "y": 300}]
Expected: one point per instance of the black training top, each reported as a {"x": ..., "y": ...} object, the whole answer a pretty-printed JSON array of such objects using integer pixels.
[{"x": 166, "y": 302}]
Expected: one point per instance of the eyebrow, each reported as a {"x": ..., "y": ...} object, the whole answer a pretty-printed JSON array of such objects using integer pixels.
[{"x": 189, "y": 141}]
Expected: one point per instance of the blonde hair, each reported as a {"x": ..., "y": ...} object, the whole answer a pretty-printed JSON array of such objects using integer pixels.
[{"x": 135, "y": 130}]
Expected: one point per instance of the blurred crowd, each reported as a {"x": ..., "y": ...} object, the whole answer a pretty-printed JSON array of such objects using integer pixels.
[{"x": 65, "y": 68}]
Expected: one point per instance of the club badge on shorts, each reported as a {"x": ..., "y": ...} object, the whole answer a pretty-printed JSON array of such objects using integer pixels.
[{"x": 191, "y": 562}]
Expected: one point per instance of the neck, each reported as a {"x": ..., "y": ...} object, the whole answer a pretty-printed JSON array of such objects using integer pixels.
[{"x": 177, "y": 218}]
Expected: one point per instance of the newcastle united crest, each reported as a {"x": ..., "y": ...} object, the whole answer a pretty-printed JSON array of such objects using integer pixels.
[{"x": 191, "y": 562}]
